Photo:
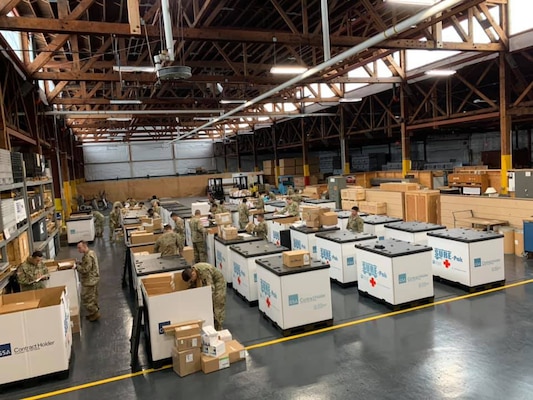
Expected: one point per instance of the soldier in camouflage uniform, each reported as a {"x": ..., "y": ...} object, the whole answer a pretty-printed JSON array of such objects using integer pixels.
[
  {"x": 260, "y": 205},
  {"x": 114, "y": 221},
  {"x": 222, "y": 208},
  {"x": 204, "y": 274},
  {"x": 290, "y": 190},
  {"x": 355, "y": 222},
  {"x": 30, "y": 271},
  {"x": 99, "y": 220},
  {"x": 169, "y": 243},
  {"x": 244, "y": 215},
  {"x": 153, "y": 214},
  {"x": 198, "y": 238},
  {"x": 261, "y": 229},
  {"x": 271, "y": 195},
  {"x": 179, "y": 228},
  {"x": 89, "y": 278},
  {"x": 290, "y": 209},
  {"x": 157, "y": 208}
]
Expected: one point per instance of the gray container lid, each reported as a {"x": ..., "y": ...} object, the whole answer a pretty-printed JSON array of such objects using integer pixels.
[
  {"x": 275, "y": 265},
  {"x": 276, "y": 203},
  {"x": 414, "y": 227},
  {"x": 343, "y": 236},
  {"x": 255, "y": 249},
  {"x": 162, "y": 264},
  {"x": 84, "y": 218},
  {"x": 307, "y": 230},
  {"x": 317, "y": 201},
  {"x": 379, "y": 219},
  {"x": 465, "y": 235},
  {"x": 393, "y": 248},
  {"x": 341, "y": 214},
  {"x": 273, "y": 217},
  {"x": 239, "y": 239}
]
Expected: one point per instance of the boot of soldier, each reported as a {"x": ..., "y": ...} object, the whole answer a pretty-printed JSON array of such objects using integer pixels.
[{"x": 94, "y": 317}]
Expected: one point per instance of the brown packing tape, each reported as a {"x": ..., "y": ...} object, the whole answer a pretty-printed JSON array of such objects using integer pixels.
[{"x": 170, "y": 329}]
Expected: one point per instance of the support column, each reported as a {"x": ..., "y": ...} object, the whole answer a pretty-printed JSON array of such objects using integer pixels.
[
  {"x": 254, "y": 152},
  {"x": 225, "y": 157},
  {"x": 238, "y": 153},
  {"x": 345, "y": 151},
  {"x": 406, "y": 140},
  {"x": 275, "y": 148},
  {"x": 505, "y": 125},
  {"x": 305, "y": 153}
]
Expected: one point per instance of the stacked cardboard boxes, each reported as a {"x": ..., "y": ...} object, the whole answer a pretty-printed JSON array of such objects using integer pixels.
[
  {"x": 296, "y": 258},
  {"x": 225, "y": 230},
  {"x": 315, "y": 217},
  {"x": 314, "y": 191},
  {"x": 373, "y": 207},
  {"x": 219, "y": 350}
]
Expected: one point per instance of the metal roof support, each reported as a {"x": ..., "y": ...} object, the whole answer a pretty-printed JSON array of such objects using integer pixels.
[{"x": 371, "y": 42}]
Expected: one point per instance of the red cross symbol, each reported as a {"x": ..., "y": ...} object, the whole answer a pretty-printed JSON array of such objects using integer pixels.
[
  {"x": 277, "y": 242},
  {"x": 220, "y": 265},
  {"x": 373, "y": 282},
  {"x": 446, "y": 263},
  {"x": 239, "y": 280},
  {"x": 268, "y": 302}
]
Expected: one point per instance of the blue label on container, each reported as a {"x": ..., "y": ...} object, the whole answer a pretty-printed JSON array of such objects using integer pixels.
[{"x": 161, "y": 325}]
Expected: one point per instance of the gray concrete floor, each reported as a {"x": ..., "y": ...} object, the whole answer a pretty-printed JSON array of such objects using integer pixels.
[{"x": 475, "y": 348}]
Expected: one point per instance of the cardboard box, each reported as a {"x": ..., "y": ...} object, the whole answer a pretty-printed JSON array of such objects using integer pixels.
[
  {"x": 158, "y": 224},
  {"x": 146, "y": 220},
  {"x": 75, "y": 323},
  {"x": 373, "y": 207},
  {"x": 353, "y": 193},
  {"x": 148, "y": 227},
  {"x": 35, "y": 341},
  {"x": 223, "y": 219},
  {"x": 287, "y": 171},
  {"x": 213, "y": 364},
  {"x": 296, "y": 258},
  {"x": 169, "y": 329},
  {"x": 225, "y": 335},
  {"x": 25, "y": 305},
  {"x": 236, "y": 351},
  {"x": 147, "y": 248},
  {"x": 229, "y": 233},
  {"x": 189, "y": 342},
  {"x": 299, "y": 170},
  {"x": 187, "y": 330},
  {"x": 18, "y": 249},
  {"x": 287, "y": 162},
  {"x": 209, "y": 335},
  {"x": 399, "y": 186},
  {"x": 215, "y": 349},
  {"x": 139, "y": 237},
  {"x": 188, "y": 254},
  {"x": 186, "y": 362},
  {"x": 348, "y": 204},
  {"x": 329, "y": 218}
]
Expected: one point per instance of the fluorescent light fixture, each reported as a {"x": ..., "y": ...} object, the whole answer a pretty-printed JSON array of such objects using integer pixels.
[
  {"x": 350, "y": 100},
  {"x": 203, "y": 118},
  {"x": 440, "y": 72},
  {"x": 120, "y": 119},
  {"x": 232, "y": 101},
  {"x": 288, "y": 69},
  {"x": 125, "y": 101},
  {"x": 414, "y": 2},
  {"x": 131, "y": 68}
]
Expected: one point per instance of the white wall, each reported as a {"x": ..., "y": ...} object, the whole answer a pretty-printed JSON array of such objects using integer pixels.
[{"x": 122, "y": 161}]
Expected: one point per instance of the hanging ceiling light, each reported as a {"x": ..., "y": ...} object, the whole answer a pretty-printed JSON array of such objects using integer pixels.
[
  {"x": 414, "y": 2},
  {"x": 288, "y": 69},
  {"x": 440, "y": 72}
]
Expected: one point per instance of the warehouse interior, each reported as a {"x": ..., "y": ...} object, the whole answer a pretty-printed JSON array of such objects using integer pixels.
[{"x": 420, "y": 110}]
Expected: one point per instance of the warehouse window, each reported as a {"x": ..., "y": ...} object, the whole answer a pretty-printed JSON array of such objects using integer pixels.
[{"x": 519, "y": 21}]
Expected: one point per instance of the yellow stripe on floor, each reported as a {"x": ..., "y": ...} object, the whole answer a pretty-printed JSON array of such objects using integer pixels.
[{"x": 286, "y": 339}]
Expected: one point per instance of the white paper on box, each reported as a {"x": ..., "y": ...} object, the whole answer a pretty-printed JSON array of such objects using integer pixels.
[
  {"x": 189, "y": 358},
  {"x": 223, "y": 363},
  {"x": 209, "y": 340},
  {"x": 242, "y": 354},
  {"x": 195, "y": 342},
  {"x": 208, "y": 330},
  {"x": 225, "y": 335}
]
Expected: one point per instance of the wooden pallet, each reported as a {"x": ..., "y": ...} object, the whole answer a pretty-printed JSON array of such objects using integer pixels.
[
  {"x": 398, "y": 307},
  {"x": 314, "y": 326},
  {"x": 470, "y": 289},
  {"x": 253, "y": 303},
  {"x": 343, "y": 285}
]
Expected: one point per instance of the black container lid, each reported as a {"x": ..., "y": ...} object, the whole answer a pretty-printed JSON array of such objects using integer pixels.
[
  {"x": 254, "y": 249},
  {"x": 307, "y": 230},
  {"x": 275, "y": 265},
  {"x": 379, "y": 219},
  {"x": 239, "y": 239},
  {"x": 414, "y": 227},
  {"x": 466, "y": 235},
  {"x": 393, "y": 248},
  {"x": 159, "y": 265},
  {"x": 343, "y": 236}
]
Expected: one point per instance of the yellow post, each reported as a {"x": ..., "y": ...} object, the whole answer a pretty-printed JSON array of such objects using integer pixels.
[
  {"x": 406, "y": 167},
  {"x": 507, "y": 164}
]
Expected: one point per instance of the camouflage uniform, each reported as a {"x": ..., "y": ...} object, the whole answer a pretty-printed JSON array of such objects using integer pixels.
[
  {"x": 168, "y": 244},
  {"x": 198, "y": 240},
  {"x": 297, "y": 198},
  {"x": 290, "y": 191},
  {"x": 261, "y": 230},
  {"x": 244, "y": 216},
  {"x": 179, "y": 229},
  {"x": 260, "y": 205},
  {"x": 28, "y": 272},
  {"x": 89, "y": 279},
  {"x": 209, "y": 275},
  {"x": 114, "y": 221},
  {"x": 291, "y": 209},
  {"x": 355, "y": 224},
  {"x": 99, "y": 220},
  {"x": 157, "y": 211},
  {"x": 221, "y": 209},
  {"x": 271, "y": 196}
]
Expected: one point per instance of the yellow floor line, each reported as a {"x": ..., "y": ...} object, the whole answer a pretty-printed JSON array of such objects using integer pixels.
[{"x": 286, "y": 339}]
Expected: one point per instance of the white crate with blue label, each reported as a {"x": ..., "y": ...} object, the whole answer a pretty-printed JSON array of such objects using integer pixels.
[
  {"x": 294, "y": 297},
  {"x": 223, "y": 255},
  {"x": 375, "y": 224},
  {"x": 35, "y": 334},
  {"x": 80, "y": 228},
  {"x": 413, "y": 232},
  {"x": 337, "y": 249},
  {"x": 245, "y": 268},
  {"x": 168, "y": 300},
  {"x": 394, "y": 271},
  {"x": 468, "y": 257},
  {"x": 273, "y": 206},
  {"x": 303, "y": 238}
]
